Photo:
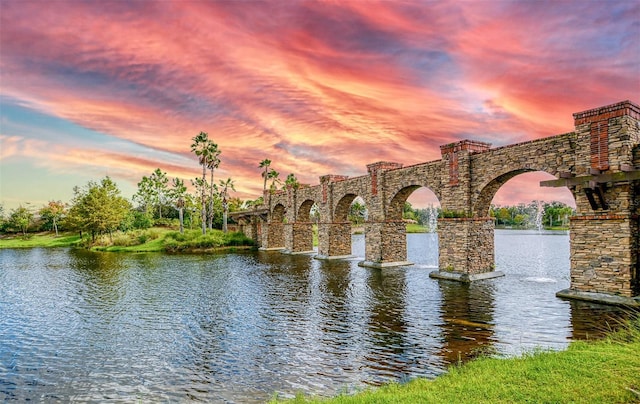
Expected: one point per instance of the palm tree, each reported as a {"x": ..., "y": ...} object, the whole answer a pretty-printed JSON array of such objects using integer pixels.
[
  {"x": 224, "y": 189},
  {"x": 212, "y": 164},
  {"x": 200, "y": 147},
  {"x": 292, "y": 181},
  {"x": 273, "y": 175},
  {"x": 265, "y": 174}
]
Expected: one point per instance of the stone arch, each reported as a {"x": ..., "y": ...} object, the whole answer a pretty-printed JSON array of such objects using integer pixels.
[
  {"x": 303, "y": 213},
  {"x": 487, "y": 191},
  {"x": 341, "y": 210},
  {"x": 278, "y": 213},
  {"x": 406, "y": 181}
]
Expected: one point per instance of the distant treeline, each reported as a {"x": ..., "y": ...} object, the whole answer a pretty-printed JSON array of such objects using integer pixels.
[{"x": 536, "y": 214}]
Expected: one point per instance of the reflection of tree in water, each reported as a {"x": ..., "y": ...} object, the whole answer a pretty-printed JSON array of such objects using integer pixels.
[
  {"x": 594, "y": 321},
  {"x": 101, "y": 275},
  {"x": 467, "y": 320}
]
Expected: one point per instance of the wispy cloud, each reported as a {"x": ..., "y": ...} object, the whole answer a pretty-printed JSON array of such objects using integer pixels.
[{"x": 317, "y": 87}]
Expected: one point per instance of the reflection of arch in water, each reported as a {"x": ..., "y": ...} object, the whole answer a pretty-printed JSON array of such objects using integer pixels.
[{"x": 467, "y": 320}]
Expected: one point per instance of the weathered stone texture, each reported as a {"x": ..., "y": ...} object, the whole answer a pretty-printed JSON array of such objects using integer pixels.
[
  {"x": 385, "y": 242},
  {"x": 466, "y": 245},
  {"x": 273, "y": 236},
  {"x": 334, "y": 239},
  {"x": 298, "y": 237},
  {"x": 604, "y": 254}
]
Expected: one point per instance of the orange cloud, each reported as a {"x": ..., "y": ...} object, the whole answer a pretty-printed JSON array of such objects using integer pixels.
[{"x": 317, "y": 87}]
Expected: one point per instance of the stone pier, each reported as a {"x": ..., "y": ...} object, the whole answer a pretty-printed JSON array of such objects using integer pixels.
[
  {"x": 386, "y": 244},
  {"x": 466, "y": 249},
  {"x": 334, "y": 240}
]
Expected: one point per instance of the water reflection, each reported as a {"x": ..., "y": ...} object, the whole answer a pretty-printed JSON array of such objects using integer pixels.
[
  {"x": 90, "y": 327},
  {"x": 593, "y": 321},
  {"x": 468, "y": 321}
]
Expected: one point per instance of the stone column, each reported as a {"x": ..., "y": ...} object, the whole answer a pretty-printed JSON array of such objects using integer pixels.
[
  {"x": 334, "y": 240},
  {"x": 385, "y": 239},
  {"x": 334, "y": 235},
  {"x": 604, "y": 255},
  {"x": 604, "y": 232},
  {"x": 466, "y": 249},
  {"x": 385, "y": 244},
  {"x": 298, "y": 238},
  {"x": 273, "y": 237}
]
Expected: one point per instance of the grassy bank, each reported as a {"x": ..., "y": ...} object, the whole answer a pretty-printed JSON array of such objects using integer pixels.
[
  {"x": 149, "y": 240},
  {"x": 45, "y": 239},
  {"x": 606, "y": 371}
]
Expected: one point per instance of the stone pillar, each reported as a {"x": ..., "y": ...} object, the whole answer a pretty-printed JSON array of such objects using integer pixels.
[
  {"x": 273, "y": 236},
  {"x": 604, "y": 232},
  {"x": 334, "y": 234},
  {"x": 334, "y": 240},
  {"x": 466, "y": 249},
  {"x": 604, "y": 254},
  {"x": 385, "y": 240},
  {"x": 385, "y": 244},
  {"x": 298, "y": 238},
  {"x": 256, "y": 230},
  {"x": 465, "y": 242}
]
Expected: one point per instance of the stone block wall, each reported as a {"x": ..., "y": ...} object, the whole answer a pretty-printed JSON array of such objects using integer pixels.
[
  {"x": 466, "y": 245},
  {"x": 604, "y": 254},
  {"x": 273, "y": 236},
  {"x": 334, "y": 239},
  {"x": 302, "y": 233},
  {"x": 386, "y": 242}
]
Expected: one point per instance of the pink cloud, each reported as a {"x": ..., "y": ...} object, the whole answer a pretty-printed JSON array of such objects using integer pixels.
[{"x": 317, "y": 87}]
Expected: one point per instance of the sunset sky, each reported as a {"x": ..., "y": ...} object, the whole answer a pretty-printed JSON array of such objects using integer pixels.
[{"x": 119, "y": 88}]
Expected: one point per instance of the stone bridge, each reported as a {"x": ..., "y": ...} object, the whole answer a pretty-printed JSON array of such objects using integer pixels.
[{"x": 598, "y": 162}]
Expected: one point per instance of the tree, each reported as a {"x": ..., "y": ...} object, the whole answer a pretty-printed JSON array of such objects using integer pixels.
[
  {"x": 144, "y": 196},
  {"x": 20, "y": 218},
  {"x": 212, "y": 164},
  {"x": 177, "y": 195},
  {"x": 408, "y": 212},
  {"x": 152, "y": 192},
  {"x": 199, "y": 199},
  {"x": 273, "y": 176},
  {"x": 265, "y": 174},
  {"x": 291, "y": 181},
  {"x": 159, "y": 183},
  {"x": 201, "y": 150},
  {"x": 52, "y": 213},
  {"x": 3, "y": 222},
  {"x": 98, "y": 208},
  {"x": 224, "y": 189},
  {"x": 357, "y": 211}
]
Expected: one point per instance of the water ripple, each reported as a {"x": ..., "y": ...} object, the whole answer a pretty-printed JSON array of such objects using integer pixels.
[{"x": 90, "y": 327}]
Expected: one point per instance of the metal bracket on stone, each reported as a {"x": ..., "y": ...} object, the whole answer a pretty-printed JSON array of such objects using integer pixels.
[{"x": 598, "y": 189}]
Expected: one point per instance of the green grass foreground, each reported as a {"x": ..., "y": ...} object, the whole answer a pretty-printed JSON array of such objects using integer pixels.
[
  {"x": 150, "y": 240},
  {"x": 606, "y": 371}
]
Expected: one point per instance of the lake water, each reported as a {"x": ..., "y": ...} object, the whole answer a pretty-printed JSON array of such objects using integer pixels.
[{"x": 86, "y": 326}]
